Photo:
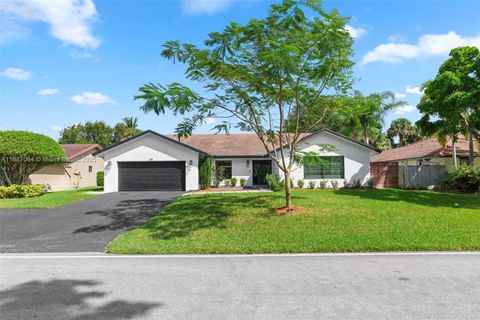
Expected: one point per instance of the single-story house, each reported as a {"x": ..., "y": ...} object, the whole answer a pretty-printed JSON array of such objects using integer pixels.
[
  {"x": 79, "y": 170},
  {"x": 420, "y": 164},
  {"x": 152, "y": 161}
]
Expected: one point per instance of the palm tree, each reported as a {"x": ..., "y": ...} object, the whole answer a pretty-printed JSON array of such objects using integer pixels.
[
  {"x": 131, "y": 124},
  {"x": 404, "y": 130},
  {"x": 372, "y": 109}
]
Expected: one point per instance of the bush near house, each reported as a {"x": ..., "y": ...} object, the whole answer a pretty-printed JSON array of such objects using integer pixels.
[
  {"x": 463, "y": 179},
  {"x": 233, "y": 182},
  {"x": 22, "y": 153},
  {"x": 243, "y": 182},
  {"x": 274, "y": 182},
  {"x": 21, "y": 191},
  {"x": 205, "y": 172},
  {"x": 100, "y": 178}
]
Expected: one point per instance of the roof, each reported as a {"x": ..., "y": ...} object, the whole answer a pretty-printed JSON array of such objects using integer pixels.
[
  {"x": 226, "y": 145},
  {"x": 75, "y": 150},
  {"x": 144, "y": 133},
  {"x": 427, "y": 148}
]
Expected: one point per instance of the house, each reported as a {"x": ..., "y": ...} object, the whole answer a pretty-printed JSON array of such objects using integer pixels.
[
  {"x": 420, "y": 164},
  {"x": 152, "y": 161},
  {"x": 79, "y": 170}
]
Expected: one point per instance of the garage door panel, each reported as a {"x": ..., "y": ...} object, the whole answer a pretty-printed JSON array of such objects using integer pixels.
[{"x": 152, "y": 175}]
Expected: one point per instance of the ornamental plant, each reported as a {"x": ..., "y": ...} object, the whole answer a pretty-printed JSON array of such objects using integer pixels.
[{"x": 23, "y": 153}]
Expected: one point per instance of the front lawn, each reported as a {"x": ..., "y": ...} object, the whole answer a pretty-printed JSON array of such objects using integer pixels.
[
  {"x": 335, "y": 221},
  {"x": 50, "y": 199}
]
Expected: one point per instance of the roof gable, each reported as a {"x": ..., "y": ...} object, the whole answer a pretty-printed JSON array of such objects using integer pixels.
[
  {"x": 143, "y": 134},
  {"x": 76, "y": 150}
]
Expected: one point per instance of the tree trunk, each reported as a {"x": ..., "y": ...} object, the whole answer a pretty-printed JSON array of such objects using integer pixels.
[
  {"x": 454, "y": 152},
  {"x": 400, "y": 139},
  {"x": 288, "y": 191},
  {"x": 365, "y": 135},
  {"x": 471, "y": 150},
  {"x": 4, "y": 178}
]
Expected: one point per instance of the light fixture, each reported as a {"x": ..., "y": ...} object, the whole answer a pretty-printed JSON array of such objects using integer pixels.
[
  {"x": 190, "y": 162},
  {"x": 248, "y": 162}
]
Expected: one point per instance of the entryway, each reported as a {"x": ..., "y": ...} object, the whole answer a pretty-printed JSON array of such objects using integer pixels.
[{"x": 260, "y": 170}]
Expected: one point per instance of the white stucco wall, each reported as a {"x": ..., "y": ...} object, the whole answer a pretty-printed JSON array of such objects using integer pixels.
[
  {"x": 149, "y": 147},
  {"x": 356, "y": 157},
  {"x": 240, "y": 169}
]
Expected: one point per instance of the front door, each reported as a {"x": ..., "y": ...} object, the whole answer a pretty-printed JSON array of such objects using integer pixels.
[{"x": 260, "y": 170}]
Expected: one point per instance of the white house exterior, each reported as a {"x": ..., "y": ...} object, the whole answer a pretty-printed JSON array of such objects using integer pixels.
[{"x": 151, "y": 161}]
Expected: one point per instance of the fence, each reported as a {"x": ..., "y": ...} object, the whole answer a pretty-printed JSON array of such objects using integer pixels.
[{"x": 421, "y": 177}]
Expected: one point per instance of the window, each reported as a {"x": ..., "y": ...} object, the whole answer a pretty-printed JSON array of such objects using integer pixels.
[
  {"x": 223, "y": 169},
  {"x": 90, "y": 168},
  {"x": 330, "y": 168}
]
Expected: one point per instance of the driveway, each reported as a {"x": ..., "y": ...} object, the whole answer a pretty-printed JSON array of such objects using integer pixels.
[
  {"x": 412, "y": 286},
  {"x": 85, "y": 226}
]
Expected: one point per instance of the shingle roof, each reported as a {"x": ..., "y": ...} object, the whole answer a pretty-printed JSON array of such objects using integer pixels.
[
  {"x": 74, "y": 150},
  {"x": 427, "y": 148}
]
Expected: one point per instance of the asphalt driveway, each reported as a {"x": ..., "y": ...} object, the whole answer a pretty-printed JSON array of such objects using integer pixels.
[{"x": 85, "y": 226}]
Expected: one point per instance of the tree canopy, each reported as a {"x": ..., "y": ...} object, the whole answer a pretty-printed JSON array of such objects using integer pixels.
[
  {"x": 451, "y": 101},
  {"x": 99, "y": 132},
  {"x": 404, "y": 130},
  {"x": 22, "y": 153},
  {"x": 261, "y": 77}
]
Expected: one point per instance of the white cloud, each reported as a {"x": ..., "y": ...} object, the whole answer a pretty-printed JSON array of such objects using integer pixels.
[
  {"x": 16, "y": 74},
  {"x": 413, "y": 90},
  {"x": 47, "y": 91},
  {"x": 400, "y": 95},
  {"x": 57, "y": 128},
  {"x": 209, "y": 7},
  {"x": 92, "y": 98},
  {"x": 406, "y": 108},
  {"x": 210, "y": 120},
  {"x": 428, "y": 45},
  {"x": 70, "y": 21},
  {"x": 355, "y": 33}
]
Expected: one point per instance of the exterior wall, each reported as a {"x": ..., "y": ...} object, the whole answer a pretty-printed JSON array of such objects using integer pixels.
[
  {"x": 240, "y": 169},
  {"x": 79, "y": 173},
  {"x": 356, "y": 157},
  {"x": 71, "y": 175},
  {"x": 53, "y": 175},
  {"x": 385, "y": 174},
  {"x": 150, "y": 148}
]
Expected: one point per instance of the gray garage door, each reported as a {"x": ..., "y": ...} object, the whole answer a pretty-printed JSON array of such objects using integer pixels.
[{"x": 151, "y": 175}]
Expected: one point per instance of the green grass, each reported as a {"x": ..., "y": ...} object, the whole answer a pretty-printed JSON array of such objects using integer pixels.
[
  {"x": 50, "y": 199},
  {"x": 335, "y": 221}
]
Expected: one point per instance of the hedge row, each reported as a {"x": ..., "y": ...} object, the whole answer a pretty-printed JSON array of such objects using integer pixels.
[{"x": 21, "y": 191}]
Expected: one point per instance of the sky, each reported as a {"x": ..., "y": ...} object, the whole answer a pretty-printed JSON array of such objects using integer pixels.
[{"x": 70, "y": 61}]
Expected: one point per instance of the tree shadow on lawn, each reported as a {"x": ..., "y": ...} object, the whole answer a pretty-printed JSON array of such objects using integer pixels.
[
  {"x": 126, "y": 215},
  {"x": 193, "y": 213},
  {"x": 66, "y": 299},
  {"x": 419, "y": 197}
]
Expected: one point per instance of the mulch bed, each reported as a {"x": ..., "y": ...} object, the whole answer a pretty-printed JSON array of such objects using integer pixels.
[{"x": 283, "y": 210}]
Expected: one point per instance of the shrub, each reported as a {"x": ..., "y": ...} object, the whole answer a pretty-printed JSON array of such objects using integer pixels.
[
  {"x": 300, "y": 183},
  {"x": 243, "y": 182},
  {"x": 334, "y": 184},
  {"x": 371, "y": 183},
  {"x": 323, "y": 184},
  {"x": 22, "y": 153},
  {"x": 311, "y": 184},
  {"x": 274, "y": 182},
  {"x": 357, "y": 183},
  {"x": 100, "y": 178},
  {"x": 227, "y": 182},
  {"x": 292, "y": 184},
  {"x": 21, "y": 191},
  {"x": 233, "y": 181},
  {"x": 205, "y": 172},
  {"x": 463, "y": 179}
]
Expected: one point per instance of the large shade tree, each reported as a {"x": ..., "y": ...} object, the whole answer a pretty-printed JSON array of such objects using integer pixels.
[
  {"x": 261, "y": 77},
  {"x": 451, "y": 102}
]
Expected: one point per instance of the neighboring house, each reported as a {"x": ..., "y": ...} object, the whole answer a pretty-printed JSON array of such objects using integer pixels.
[
  {"x": 79, "y": 171},
  {"x": 151, "y": 161},
  {"x": 420, "y": 164}
]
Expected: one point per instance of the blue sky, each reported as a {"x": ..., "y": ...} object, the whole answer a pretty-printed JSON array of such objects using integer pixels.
[{"x": 64, "y": 62}]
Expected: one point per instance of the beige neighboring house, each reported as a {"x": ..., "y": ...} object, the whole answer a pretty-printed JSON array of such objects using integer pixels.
[{"x": 80, "y": 170}]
